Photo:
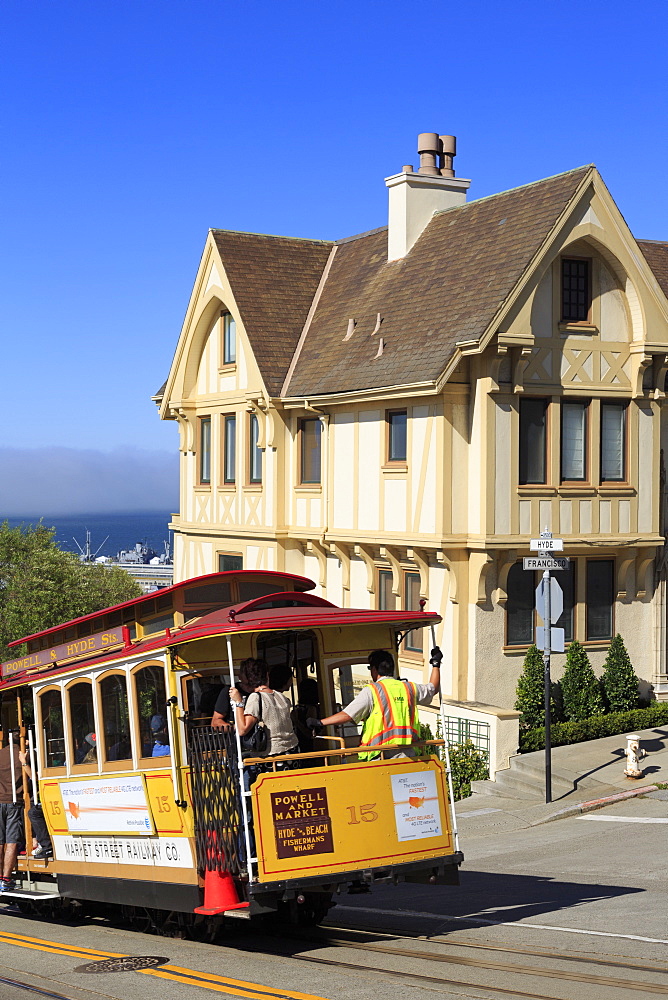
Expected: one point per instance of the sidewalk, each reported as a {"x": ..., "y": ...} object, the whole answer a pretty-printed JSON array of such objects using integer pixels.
[{"x": 583, "y": 773}]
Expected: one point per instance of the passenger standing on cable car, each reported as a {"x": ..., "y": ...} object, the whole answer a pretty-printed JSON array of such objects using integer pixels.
[
  {"x": 11, "y": 814},
  {"x": 223, "y": 713},
  {"x": 388, "y": 707},
  {"x": 272, "y": 707}
]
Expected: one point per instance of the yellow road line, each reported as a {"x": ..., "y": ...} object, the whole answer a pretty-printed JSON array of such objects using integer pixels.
[
  {"x": 41, "y": 944},
  {"x": 222, "y": 984},
  {"x": 176, "y": 973}
]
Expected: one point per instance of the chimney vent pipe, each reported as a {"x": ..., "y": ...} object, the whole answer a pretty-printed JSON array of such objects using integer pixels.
[{"x": 429, "y": 148}]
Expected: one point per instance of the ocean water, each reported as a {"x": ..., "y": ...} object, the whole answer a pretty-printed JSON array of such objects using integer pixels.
[{"x": 109, "y": 533}]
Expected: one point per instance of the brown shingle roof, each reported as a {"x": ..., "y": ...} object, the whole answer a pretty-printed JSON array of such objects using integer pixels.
[
  {"x": 273, "y": 279},
  {"x": 447, "y": 289},
  {"x": 656, "y": 255}
]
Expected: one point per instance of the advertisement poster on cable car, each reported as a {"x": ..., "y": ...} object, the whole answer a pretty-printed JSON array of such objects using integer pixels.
[
  {"x": 107, "y": 805},
  {"x": 416, "y": 810}
]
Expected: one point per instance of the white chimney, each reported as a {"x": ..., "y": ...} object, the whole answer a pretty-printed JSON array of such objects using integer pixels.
[{"x": 414, "y": 197}]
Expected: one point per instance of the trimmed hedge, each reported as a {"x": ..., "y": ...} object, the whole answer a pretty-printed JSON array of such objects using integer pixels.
[{"x": 596, "y": 727}]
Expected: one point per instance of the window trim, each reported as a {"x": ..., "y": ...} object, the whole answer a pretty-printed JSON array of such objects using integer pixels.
[
  {"x": 128, "y": 763},
  {"x": 253, "y": 420},
  {"x": 314, "y": 483},
  {"x": 412, "y": 651},
  {"x": 389, "y": 460},
  {"x": 228, "y": 418},
  {"x": 613, "y": 601},
  {"x": 59, "y": 768},
  {"x": 202, "y": 422},
  {"x": 135, "y": 728},
  {"x": 227, "y": 319},
  {"x": 95, "y": 766},
  {"x": 563, "y": 321},
  {"x": 585, "y": 404},
  {"x": 623, "y": 405},
  {"x": 547, "y": 449}
]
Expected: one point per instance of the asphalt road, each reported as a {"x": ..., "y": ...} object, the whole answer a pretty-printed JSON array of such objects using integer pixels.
[{"x": 571, "y": 909}]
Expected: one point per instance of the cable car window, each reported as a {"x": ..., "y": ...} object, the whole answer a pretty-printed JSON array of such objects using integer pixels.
[
  {"x": 201, "y": 696},
  {"x": 116, "y": 718},
  {"x": 158, "y": 624},
  {"x": 210, "y": 593},
  {"x": 250, "y": 589},
  {"x": 347, "y": 682},
  {"x": 82, "y": 718},
  {"x": 294, "y": 651},
  {"x": 51, "y": 708},
  {"x": 152, "y": 707}
]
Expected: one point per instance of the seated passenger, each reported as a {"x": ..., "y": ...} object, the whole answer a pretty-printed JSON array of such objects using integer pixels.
[
  {"x": 87, "y": 750},
  {"x": 388, "y": 707},
  {"x": 160, "y": 733}
]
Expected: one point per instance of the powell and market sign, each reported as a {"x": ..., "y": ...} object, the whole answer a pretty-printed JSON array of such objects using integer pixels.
[{"x": 46, "y": 658}]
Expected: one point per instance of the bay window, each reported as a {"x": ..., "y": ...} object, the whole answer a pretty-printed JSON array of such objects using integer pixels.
[
  {"x": 613, "y": 442},
  {"x": 574, "y": 441},
  {"x": 533, "y": 441}
]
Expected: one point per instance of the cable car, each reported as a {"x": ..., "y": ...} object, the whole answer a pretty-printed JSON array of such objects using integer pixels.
[{"x": 181, "y": 837}]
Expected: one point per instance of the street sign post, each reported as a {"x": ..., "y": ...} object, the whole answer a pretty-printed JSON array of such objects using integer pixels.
[
  {"x": 546, "y": 562},
  {"x": 549, "y": 605}
]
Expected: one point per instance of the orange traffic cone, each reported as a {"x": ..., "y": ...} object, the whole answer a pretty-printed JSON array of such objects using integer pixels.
[{"x": 220, "y": 894}]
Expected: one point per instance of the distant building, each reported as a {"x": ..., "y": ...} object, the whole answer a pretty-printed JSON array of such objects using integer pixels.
[{"x": 396, "y": 414}]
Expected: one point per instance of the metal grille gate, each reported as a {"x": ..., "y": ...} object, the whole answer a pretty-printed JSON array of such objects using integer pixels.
[{"x": 216, "y": 799}]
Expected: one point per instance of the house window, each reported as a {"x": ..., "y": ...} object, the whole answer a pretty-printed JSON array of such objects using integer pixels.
[
  {"x": 533, "y": 441},
  {"x": 520, "y": 606},
  {"x": 229, "y": 449},
  {"x": 573, "y": 441},
  {"x": 575, "y": 289},
  {"x": 600, "y": 598},
  {"x": 229, "y": 564},
  {"x": 310, "y": 436},
  {"x": 413, "y": 641},
  {"x": 397, "y": 426},
  {"x": 613, "y": 442},
  {"x": 254, "y": 453},
  {"x": 229, "y": 340},
  {"x": 205, "y": 450},
  {"x": 566, "y": 580},
  {"x": 387, "y": 601}
]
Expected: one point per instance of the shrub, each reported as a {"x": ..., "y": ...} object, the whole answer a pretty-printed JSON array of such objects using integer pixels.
[
  {"x": 580, "y": 689},
  {"x": 596, "y": 727},
  {"x": 468, "y": 764},
  {"x": 530, "y": 693},
  {"x": 619, "y": 682}
]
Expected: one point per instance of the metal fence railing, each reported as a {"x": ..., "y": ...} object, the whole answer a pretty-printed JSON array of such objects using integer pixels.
[{"x": 458, "y": 730}]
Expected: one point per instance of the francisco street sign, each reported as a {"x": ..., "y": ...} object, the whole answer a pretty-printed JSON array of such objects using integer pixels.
[
  {"x": 546, "y": 545},
  {"x": 546, "y": 562}
]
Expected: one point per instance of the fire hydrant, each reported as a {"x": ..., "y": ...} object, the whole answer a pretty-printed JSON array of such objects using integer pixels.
[{"x": 634, "y": 754}]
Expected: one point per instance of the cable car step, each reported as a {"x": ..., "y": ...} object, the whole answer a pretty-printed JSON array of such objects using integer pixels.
[
  {"x": 241, "y": 911},
  {"x": 28, "y": 894}
]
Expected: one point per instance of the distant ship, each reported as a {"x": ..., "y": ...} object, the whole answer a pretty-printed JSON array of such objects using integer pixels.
[{"x": 150, "y": 570}]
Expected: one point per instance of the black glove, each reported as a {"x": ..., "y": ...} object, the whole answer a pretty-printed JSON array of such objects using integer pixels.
[
  {"x": 436, "y": 657},
  {"x": 314, "y": 724}
]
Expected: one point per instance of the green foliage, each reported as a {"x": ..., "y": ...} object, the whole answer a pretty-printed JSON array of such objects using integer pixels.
[
  {"x": 580, "y": 688},
  {"x": 619, "y": 682},
  {"x": 530, "y": 692},
  {"x": 468, "y": 764},
  {"x": 41, "y": 586},
  {"x": 596, "y": 727}
]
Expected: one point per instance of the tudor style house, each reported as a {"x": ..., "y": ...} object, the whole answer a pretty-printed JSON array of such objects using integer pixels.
[{"x": 397, "y": 414}]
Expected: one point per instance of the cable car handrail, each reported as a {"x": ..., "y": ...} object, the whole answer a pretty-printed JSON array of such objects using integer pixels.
[{"x": 340, "y": 751}]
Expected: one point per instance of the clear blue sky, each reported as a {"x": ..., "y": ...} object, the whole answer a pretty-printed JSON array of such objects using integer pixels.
[{"x": 130, "y": 128}]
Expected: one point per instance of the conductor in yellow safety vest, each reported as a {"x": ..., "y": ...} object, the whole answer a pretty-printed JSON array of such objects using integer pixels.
[{"x": 388, "y": 707}]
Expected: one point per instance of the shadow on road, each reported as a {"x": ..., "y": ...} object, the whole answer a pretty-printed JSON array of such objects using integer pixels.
[{"x": 488, "y": 895}]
